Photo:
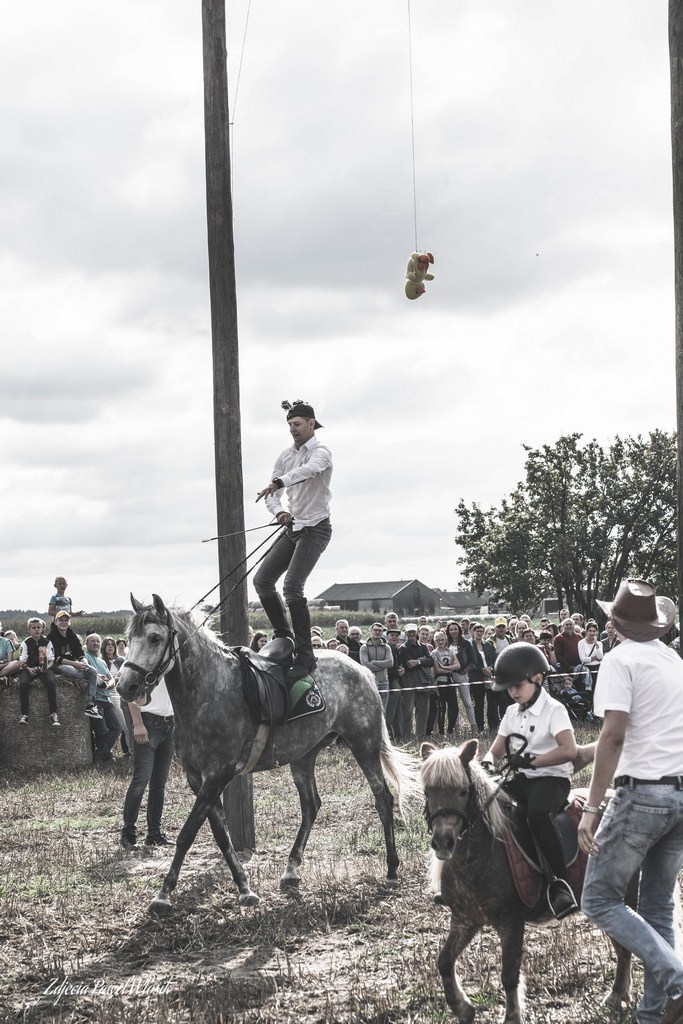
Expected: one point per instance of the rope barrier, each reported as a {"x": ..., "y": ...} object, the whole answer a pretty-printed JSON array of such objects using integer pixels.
[{"x": 475, "y": 682}]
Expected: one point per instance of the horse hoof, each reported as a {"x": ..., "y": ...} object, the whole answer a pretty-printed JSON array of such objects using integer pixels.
[
  {"x": 392, "y": 882},
  {"x": 289, "y": 882},
  {"x": 160, "y": 906},
  {"x": 249, "y": 899},
  {"x": 613, "y": 1001}
]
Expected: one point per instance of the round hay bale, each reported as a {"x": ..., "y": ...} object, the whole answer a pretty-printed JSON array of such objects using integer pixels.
[{"x": 41, "y": 746}]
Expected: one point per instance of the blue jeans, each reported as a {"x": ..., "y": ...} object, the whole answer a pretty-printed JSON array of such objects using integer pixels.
[
  {"x": 106, "y": 730},
  {"x": 295, "y": 552},
  {"x": 642, "y": 829},
  {"x": 87, "y": 672},
  {"x": 151, "y": 764}
]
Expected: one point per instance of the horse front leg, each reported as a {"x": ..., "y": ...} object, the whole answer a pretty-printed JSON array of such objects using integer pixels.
[
  {"x": 303, "y": 773},
  {"x": 512, "y": 945},
  {"x": 247, "y": 897},
  {"x": 460, "y": 935},
  {"x": 207, "y": 796}
]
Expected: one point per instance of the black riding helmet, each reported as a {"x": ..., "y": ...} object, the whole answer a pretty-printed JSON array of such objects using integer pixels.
[{"x": 517, "y": 664}]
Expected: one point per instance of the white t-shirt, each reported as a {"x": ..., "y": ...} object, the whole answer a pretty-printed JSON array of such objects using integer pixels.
[
  {"x": 539, "y": 725},
  {"x": 646, "y": 681},
  {"x": 159, "y": 702}
]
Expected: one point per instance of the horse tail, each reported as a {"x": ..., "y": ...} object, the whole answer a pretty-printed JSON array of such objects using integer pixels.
[{"x": 401, "y": 769}]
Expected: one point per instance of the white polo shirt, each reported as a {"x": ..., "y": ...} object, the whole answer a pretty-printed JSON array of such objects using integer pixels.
[
  {"x": 646, "y": 681},
  {"x": 539, "y": 725}
]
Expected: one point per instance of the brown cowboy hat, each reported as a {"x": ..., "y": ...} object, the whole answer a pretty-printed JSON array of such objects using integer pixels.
[{"x": 638, "y": 613}]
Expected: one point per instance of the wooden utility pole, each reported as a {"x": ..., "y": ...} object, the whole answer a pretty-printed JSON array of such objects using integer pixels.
[
  {"x": 238, "y": 797},
  {"x": 676, "y": 65}
]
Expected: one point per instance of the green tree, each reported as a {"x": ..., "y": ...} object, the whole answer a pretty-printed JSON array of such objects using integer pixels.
[{"x": 584, "y": 519}]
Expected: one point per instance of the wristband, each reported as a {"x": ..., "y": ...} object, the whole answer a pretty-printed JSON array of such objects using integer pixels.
[{"x": 588, "y": 809}]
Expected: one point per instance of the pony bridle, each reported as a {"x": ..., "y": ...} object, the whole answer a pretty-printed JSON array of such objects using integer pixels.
[
  {"x": 452, "y": 812},
  {"x": 151, "y": 676}
]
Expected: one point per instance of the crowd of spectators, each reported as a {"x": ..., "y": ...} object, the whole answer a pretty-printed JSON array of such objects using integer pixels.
[
  {"x": 49, "y": 653},
  {"x": 426, "y": 674}
]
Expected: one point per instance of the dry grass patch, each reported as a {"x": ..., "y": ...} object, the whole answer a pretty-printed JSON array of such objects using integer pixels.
[{"x": 344, "y": 949}]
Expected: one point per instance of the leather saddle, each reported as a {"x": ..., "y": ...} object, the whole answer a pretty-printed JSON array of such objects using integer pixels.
[
  {"x": 523, "y": 859},
  {"x": 264, "y": 679}
]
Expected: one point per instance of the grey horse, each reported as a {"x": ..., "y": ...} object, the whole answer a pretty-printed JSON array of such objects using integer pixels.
[{"x": 215, "y": 731}]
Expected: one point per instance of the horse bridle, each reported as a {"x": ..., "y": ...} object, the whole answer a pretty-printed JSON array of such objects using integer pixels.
[
  {"x": 453, "y": 812},
  {"x": 152, "y": 676},
  {"x": 466, "y": 816}
]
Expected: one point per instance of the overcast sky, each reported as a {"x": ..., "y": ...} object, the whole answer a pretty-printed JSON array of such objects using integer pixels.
[{"x": 542, "y": 148}]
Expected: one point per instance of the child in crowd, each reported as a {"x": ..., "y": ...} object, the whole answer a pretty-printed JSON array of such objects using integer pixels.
[
  {"x": 36, "y": 658},
  {"x": 70, "y": 659},
  {"x": 59, "y": 601}
]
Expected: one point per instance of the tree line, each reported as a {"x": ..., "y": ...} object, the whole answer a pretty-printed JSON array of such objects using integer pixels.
[{"x": 585, "y": 518}]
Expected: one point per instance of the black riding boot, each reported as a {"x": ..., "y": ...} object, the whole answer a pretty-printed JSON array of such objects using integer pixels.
[
  {"x": 304, "y": 658},
  {"x": 275, "y": 610}
]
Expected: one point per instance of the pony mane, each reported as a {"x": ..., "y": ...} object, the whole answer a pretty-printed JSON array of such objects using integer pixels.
[{"x": 444, "y": 769}]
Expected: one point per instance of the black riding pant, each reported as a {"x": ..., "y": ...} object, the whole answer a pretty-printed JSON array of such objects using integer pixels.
[{"x": 541, "y": 799}]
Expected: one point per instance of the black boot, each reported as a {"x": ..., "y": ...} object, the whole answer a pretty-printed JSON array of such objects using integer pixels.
[
  {"x": 304, "y": 658},
  {"x": 561, "y": 899},
  {"x": 275, "y": 610}
]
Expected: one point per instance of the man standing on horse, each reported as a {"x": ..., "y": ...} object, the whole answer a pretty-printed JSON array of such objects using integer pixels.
[
  {"x": 640, "y": 698},
  {"x": 304, "y": 470}
]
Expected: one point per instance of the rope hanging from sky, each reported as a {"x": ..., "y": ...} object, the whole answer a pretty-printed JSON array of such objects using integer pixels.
[
  {"x": 237, "y": 83},
  {"x": 412, "y": 120}
]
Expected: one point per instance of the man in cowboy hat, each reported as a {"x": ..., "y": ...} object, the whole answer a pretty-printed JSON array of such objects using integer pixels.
[
  {"x": 304, "y": 470},
  {"x": 641, "y": 698}
]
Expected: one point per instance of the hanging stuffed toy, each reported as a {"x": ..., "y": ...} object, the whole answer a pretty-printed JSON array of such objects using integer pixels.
[{"x": 416, "y": 273}]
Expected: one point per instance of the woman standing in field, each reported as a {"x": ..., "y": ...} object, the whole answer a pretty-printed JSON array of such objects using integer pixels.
[
  {"x": 114, "y": 661},
  {"x": 465, "y": 655}
]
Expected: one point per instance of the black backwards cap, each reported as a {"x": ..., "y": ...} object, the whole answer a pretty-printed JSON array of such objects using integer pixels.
[{"x": 299, "y": 408}]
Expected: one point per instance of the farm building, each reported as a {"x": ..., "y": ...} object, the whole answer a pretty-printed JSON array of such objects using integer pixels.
[
  {"x": 466, "y": 602},
  {"x": 405, "y": 597}
]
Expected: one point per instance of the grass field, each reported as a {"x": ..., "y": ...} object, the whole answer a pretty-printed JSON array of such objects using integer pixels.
[{"x": 78, "y": 945}]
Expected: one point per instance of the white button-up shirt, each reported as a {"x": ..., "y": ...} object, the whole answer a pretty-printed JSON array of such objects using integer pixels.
[{"x": 305, "y": 473}]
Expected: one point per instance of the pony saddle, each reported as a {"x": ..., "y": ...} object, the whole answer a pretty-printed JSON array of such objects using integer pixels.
[
  {"x": 268, "y": 691},
  {"x": 527, "y": 871}
]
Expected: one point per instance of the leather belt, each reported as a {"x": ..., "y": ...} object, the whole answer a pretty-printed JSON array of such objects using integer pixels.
[
  {"x": 668, "y": 780},
  {"x": 164, "y": 718}
]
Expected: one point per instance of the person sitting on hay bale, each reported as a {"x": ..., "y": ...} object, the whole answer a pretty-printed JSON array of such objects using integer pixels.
[
  {"x": 36, "y": 658},
  {"x": 70, "y": 659},
  {"x": 9, "y": 665}
]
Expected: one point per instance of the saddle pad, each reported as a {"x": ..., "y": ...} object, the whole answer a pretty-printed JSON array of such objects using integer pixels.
[
  {"x": 529, "y": 880},
  {"x": 304, "y": 698}
]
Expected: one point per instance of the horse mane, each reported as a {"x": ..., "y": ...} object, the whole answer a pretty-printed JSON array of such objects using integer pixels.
[
  {"x": 186, "y": 625},
  {"x": 444, "y": 769}
]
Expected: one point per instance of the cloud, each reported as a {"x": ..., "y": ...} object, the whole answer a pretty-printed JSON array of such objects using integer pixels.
[{"x": 543, "y": 184}]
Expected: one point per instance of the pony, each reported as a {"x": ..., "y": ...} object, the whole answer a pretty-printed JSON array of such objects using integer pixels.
[
  {"x": 468, "y": 817},
  {"x": 215, "y": 732}
]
